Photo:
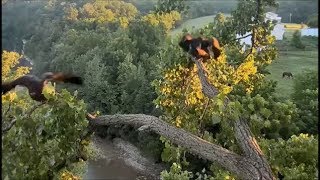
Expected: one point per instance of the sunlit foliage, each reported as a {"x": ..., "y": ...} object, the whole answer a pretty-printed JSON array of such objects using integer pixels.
[
  {"x": 44, "y": 136},
  {"x": 108, "y": 11},
  {"x": 167, "y": 20},
  {"x": 305, "y": 95},
  {"x": 296, "y": 158}
]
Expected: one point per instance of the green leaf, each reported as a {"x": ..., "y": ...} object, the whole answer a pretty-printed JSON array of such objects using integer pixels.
[
  {"x": 265, "y": 112},
  {"x": 251, "y": 107}
]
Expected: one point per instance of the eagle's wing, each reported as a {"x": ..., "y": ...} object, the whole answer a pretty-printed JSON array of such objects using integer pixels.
[
  {"x": 66, "y": 78},
  {"x": 216, "y": 47},
  {"x": 28, "y": 81}
]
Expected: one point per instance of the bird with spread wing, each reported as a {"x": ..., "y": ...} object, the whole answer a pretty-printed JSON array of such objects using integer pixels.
[{"x": 35, "y": 84}]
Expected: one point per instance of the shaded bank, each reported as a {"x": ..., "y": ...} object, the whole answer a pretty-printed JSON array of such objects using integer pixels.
[{"x": 118, "y": 159}]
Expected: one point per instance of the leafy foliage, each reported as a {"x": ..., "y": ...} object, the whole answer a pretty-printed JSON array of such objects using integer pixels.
[
  {"x": 305, "y": 96},
  {"x": 167, "y": 6},
  {"x": 108, "y": 11},
  {"x": 300, "y": 160},
  {"x": 44, "y": 135},
  {"x": 313, "y": 20},
  {"x": 296, "y": 40},
  {"x": 176, "y": 172},
  {"x": 117, "y": 61},
  {"x": 167, "y": 20}
]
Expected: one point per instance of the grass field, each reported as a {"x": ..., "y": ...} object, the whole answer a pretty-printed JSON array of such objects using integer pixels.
[
  {"x": 292, "y": 60},
  {"x": 195, "y": 23}
]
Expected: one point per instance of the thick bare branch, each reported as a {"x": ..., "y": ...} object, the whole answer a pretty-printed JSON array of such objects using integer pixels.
[
  {"x": 207, "y": 88},
  {"x": 242, "y": 166},
  {"x": 251, "y": 149}
]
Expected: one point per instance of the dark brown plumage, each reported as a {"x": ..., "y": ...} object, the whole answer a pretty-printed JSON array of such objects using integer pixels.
[
  {"x": 35, "y": 84},
  {"x": 201, "y": 47}
]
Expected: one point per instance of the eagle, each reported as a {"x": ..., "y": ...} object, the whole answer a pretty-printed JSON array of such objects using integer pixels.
[
  {"x": 201, "y": 47},
  {"x": 35, "y": 84}
]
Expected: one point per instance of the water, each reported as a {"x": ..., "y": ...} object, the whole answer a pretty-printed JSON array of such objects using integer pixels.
[
  {"x": 110, "y": 169},
  {"x": 120, "y": 161}
]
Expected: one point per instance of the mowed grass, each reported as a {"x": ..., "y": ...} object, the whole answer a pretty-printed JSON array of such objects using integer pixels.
[
  {"x": 292, "y": 60},
  {"x": 193, "y": 24}
]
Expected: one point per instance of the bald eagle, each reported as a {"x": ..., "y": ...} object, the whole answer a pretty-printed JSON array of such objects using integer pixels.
[
  {"x": 201, "y": 47},
  {"x": 35, "y": 84}
]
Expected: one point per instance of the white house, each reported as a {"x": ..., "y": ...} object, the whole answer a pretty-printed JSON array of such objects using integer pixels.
[
  {"x": 309, "y": 32},
  {"x": 277, "y": 31},
  {"x": 273, "y": 17}
]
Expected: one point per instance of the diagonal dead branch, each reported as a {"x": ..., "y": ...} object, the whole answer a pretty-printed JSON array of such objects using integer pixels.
[{"x": 233, "y": 162}]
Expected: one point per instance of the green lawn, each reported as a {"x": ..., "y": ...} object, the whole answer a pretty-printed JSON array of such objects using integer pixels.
[
  {"x": 294, "y": 62},
  {"x": 195, "y": 23}
]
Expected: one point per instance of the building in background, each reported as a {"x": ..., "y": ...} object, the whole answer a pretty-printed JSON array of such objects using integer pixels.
[
  {"x": 277, "y": 31},
  {"x": 310, "y": 32},
  {"x": 273, "y": 17}
]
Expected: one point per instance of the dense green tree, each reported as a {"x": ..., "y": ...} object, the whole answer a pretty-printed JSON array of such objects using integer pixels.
[
  {"x": 297, "y": 9},
  {"x": 305, "y": 96},
  {"x": 300, "y": 160},
  {"x": 166, "y": 6},
  {"x": 313, "y": 20},
  {"x": 296, "y": 40}
]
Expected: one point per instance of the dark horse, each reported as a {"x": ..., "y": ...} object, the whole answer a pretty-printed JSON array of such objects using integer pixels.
[{"x": 288, "y": 74}]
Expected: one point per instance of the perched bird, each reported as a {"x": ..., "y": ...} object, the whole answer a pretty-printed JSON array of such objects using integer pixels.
[
  {"x": 35, "y": 84},
  {"x": 201, "y": 47}
]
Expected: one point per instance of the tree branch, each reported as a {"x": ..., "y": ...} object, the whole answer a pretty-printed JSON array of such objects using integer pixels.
[
  {"x": 242, "y": 37},
  {"x": 13, "y": 122},
  {"x": 242, "y": 166},
  {"x": 251, "y": 149},
  {"x": 207, "y": 89}
]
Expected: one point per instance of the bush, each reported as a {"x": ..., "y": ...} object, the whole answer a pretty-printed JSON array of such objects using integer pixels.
[
  {"x": 296, "y": 40},
  {"x": 305, "y": 96},
  {"x": 313, "y": 20},
  {"x": 295, "y": 158}
]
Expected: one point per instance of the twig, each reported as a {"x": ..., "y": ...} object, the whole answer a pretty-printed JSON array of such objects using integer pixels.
[
  {"x": 10, "y": 126},
  {"x": 200, "y": 119},
  {"x": 7, "y": 110},
  {"x": 205, "y": 109},
  {"x": 242, "y": 37},
  {"x": 13, "y": 122}
]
